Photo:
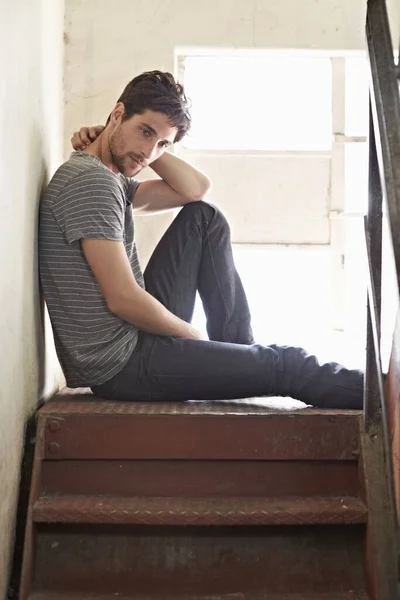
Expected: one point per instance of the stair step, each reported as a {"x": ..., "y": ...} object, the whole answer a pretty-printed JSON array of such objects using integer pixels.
[
  {"x": 199, "y": 511},
  {"x": 240, "y": 596},
  {"x": 69, "y": 402},
  {"x": 96, "y": 430}
]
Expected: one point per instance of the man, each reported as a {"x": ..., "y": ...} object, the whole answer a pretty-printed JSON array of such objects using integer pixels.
[{"x": 129, "y": 337}]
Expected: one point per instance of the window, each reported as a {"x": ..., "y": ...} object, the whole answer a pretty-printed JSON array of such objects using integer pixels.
[
  {"x": 356, "y": 103},
  {"x": 259, "y": 102}
]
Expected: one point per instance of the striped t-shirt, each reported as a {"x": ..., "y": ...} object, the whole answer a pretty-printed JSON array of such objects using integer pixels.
[{"x": 85, "y": 200}]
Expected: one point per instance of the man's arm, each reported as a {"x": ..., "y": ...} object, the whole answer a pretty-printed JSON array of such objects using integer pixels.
[
  {"x": 180, "y": 184},
  {"x": 125, "y": 298}
]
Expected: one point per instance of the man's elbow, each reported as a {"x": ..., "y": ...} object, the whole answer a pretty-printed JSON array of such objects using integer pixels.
[
  {"x": 118, "y": 304},
  {"x": 115, "y": 306},
  {"x": 202, "y": 191}
]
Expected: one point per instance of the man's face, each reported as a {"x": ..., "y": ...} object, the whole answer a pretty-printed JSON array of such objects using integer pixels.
[{"x": 140, "y": 140}]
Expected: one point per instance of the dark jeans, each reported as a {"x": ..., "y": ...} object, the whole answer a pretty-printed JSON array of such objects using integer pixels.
[{"x": 195, "y": 254}]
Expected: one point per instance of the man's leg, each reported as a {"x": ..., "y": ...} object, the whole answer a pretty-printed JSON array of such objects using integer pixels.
[
  {"x": 195, "y": 251},
  {"x": 170, "y": 369},
  {"x": 194, "y": 254}
]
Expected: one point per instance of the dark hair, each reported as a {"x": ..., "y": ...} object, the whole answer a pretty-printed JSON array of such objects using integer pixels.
[{"x": 158, "y": 91}]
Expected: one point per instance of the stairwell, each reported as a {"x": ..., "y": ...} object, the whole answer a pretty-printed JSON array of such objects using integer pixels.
[{"x": 232, "y": 500}]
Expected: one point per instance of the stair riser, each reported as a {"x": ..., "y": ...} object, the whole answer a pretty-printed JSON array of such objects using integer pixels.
[
  {"x": 201, "y": 478},
  {"x": 200, "y": 437},
  {"x": 135, "y": 560}
]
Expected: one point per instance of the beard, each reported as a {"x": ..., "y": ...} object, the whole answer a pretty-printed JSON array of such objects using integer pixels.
[{"x": 119, "y": 157}]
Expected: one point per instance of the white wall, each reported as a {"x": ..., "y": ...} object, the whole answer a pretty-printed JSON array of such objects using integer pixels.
[
  {"x": 109, "y": 44},
  {"x": 394, "y": 20},
  {"x": 30, "y": 148}
]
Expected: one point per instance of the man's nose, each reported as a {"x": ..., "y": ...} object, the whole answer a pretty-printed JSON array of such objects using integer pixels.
[{"x": 149, "y": 149}]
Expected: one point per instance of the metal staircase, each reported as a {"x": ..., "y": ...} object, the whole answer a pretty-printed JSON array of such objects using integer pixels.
[{"x": 225, "y": 500}]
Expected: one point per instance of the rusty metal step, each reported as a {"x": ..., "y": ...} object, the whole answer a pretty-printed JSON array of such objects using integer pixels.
[
  {"x": 95, "y": 430},
  {"x": 199, "y": 511},
  {"x": 240, "y": 596}
]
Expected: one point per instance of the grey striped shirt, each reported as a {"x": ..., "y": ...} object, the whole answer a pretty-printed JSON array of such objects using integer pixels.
[{"x": 85, "y": 200}]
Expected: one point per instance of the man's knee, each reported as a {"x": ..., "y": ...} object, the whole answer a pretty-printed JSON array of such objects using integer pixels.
[
  {"x": 207, "y": 210},
  {"x": 204, "y": 208}
]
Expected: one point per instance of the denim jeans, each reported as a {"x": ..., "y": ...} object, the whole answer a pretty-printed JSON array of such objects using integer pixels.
[{"x": 195, "y": 254}]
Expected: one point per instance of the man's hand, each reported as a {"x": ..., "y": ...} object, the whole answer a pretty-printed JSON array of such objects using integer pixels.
[{"x": 85, "y": 136}]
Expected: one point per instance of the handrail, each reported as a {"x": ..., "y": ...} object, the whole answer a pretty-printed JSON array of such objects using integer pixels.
[
  {"x": 376, "y": 381},
  {"x": 384, "y": 183},
  {"x": 373, "y": 231},
  {"x": 386, "y": 113}
]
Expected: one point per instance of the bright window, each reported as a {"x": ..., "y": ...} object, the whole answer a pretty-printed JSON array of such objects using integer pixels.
[
  {"x": 259, "y": 102},
  {"x": 356, "y": 177},
  {"x": 356, "y": 103}
]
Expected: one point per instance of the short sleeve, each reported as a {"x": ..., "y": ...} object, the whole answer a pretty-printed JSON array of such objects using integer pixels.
[
  {"x": 130, "y": 188},
  {"x": 92, "y": 206}
]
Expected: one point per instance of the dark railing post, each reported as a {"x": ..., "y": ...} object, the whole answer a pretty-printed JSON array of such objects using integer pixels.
[
  {"x": 386, "y": 107},
  {"x": 372, "y": 396},
  {"x": 384, "y": 182},
  {"x": 376, "y": 416}
]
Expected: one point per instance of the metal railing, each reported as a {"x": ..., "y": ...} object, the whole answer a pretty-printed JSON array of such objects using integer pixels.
[{"x": 384, "y": 184}]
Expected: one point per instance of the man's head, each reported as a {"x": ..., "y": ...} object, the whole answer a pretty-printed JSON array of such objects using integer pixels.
[{"x": 151, "y": 114}]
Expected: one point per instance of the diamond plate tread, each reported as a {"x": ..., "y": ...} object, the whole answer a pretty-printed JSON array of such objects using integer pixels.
[
  {"x": 240, "y": 596},
  {"x": 88, "y": 404},
  {"x": 199, "y": 511}
]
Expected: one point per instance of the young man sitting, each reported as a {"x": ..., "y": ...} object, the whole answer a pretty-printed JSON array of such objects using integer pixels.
[{"x": 126, "y": 335}]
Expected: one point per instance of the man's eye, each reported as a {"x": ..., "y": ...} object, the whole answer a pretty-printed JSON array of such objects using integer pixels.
[
  {"x": 146, "y": 132},
  {"x": 163, "y": 144}
]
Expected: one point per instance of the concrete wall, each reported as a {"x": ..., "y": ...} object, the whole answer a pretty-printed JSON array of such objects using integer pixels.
[
  {"x": 394, "y": 20},
  {"x": 30, "y": 149},
  {"x": 107, "y": 45}
]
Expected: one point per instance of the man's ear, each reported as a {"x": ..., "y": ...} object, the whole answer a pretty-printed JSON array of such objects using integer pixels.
[{"x": 117, "y": 113}]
